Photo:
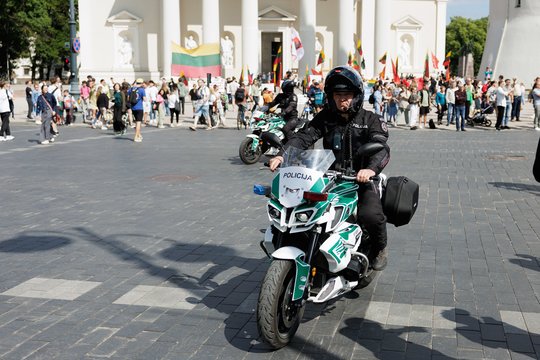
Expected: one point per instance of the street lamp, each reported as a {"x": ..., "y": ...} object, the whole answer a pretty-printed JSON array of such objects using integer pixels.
[{"x": 74, "y": 76}]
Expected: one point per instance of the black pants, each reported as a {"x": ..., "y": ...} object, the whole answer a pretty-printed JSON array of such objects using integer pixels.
[
  {"x": 182, "y": 101},
  {"x": 4, "y": 130},
  {"x": 500, "y": 116},
  {"x": 371, "y": 216},
  {"x": 174, "y": 112},
  {"x": 30, "y": 107},
  {"x": 289, "y": 127},
  {"x": 467, "y": 110},
  {"x": 118, "y": 124}
]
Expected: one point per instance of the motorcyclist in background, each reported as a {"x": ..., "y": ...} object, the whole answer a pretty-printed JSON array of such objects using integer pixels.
[
  {"x": 344, "y": 126},
  {"x": 287, "y": 101}
]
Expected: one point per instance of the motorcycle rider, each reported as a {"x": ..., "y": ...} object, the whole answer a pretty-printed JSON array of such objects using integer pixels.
[
  {"x": 345, "y": 126},
  {"x": 287, "y": 101}
]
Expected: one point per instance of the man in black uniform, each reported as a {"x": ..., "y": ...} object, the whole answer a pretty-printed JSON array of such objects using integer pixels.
[
  {"x": 344, "y": 126},
  {"x": 287, "y": 101}
]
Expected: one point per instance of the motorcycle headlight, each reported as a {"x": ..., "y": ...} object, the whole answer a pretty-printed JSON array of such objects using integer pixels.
[
  {"x": 303, "y": 216},
  {"x": 274, "y": 213}
]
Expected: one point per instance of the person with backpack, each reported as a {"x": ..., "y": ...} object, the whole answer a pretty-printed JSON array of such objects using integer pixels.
[
  {"x": 202, "y": 106},
  {"x": 240, "y": 101},
  {"x": 119, "y": 110},
  {"x": 137, "y": 96}
]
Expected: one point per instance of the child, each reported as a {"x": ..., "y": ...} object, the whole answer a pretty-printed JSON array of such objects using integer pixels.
[{"x": 68, "y": 102}]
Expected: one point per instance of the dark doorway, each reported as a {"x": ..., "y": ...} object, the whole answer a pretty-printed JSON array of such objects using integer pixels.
[{"x": 270, "y": 43}]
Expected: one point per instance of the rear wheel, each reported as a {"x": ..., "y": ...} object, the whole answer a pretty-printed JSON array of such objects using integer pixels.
[
  {"x": 278, "y": 317},
  {"x": 246, "y": 152}
]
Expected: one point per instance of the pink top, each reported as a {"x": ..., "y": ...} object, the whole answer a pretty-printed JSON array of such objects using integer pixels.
[{"x": 85, "y": 92}]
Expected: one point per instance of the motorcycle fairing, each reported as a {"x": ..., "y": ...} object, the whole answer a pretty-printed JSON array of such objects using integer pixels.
[
  {"x": 302, "y": 269},
  {"x": 337, "y": 248},
  {"x": 255, "y": 142}
]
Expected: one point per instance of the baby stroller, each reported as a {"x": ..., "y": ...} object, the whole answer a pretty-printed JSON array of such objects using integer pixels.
[{"x": 480, "y": 116}]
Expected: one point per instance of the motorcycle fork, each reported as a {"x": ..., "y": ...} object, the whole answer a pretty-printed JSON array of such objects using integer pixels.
[{"x": 313, "y": 240}]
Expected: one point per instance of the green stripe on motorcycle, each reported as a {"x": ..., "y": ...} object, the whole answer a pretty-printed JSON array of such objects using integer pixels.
[{"x": 302, "y": 273}]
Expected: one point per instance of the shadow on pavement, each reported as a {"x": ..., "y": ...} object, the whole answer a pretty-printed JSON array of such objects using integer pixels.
[
  {"x": 527, "y": 261},
  {"x": 26, "y": 243},
  {"x": 492, "y": 333},
  {"x": 530, "y": 188}
]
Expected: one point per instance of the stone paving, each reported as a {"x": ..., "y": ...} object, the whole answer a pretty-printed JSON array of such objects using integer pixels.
[{"x": 115, "y": 250}]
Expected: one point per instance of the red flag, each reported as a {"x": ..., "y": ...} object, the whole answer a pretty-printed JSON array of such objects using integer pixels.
[
  {"x": 395, "y": 71},
  {"x": 315, "y": 72},
  {"x": 250, "y": 76},
  {"x": 434, "y": 61},
  {"x": 446, "y": 62},
  {"x": 426, "y": 66},
  {"x": 383, "y": 59},
  {"x": 448, "y": 72}
]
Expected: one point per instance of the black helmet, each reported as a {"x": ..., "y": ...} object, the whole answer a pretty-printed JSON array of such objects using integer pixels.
[
  {"x": 344, "y": 78},
  {"x": 287, "y": 87}
]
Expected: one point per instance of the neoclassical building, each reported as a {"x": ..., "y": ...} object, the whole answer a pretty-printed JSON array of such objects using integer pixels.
[
  {"x": 511, "y": 44},
  {"x": 132, "y": 38}
]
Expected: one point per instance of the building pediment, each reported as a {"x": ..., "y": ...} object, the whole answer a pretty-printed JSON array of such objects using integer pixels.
[
  {"x": 275, "y": 13},
  {"x": 124, "y": 17},
  {"x": 407, "y": 22}
]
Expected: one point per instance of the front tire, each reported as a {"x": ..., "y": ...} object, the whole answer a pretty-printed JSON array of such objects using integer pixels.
[
  {"x": 247, "y": 155},
  {"x": 277, "y": 317}
]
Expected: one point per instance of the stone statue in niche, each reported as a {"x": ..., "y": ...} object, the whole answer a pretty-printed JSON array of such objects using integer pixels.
[
  {"x": 126, "y": 51},
  {"x": 227, "y": 57},
  {"x": 191, "y": 43},
  {"x": 404, "y": 53}
]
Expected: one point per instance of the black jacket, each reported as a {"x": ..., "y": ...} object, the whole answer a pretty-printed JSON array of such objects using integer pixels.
[
  {"x": 287, "y": 104},
  {"x": 365, "y": 127}
]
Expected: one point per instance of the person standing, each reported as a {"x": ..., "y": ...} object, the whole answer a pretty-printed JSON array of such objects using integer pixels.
[
  {"x": 103, "y": 106},
  {"x": 535, "y": 99},
  {"x": 451, "y": 103},
  {"x": 218, "y": 107},
  {"x": 509, "y": 89},
  {"x": 68, "y": 104},
  {"x": 28, "y": 92},
  {"x": 378, "y": 100},
  {"x": 440, "y": 101},
  {"x": 414, "y": 100},
  {"x": 461, "y": 105},
  {"x": 424, "y": 105},
  {"x": 85, "y": 95},
  {"x": 202, "y": 105},
  {"x": 182, "y": 93},
  {"x": 46, "y": 106},
  {"x": 35, "y": 94},
  {"x": 501, "y": 104},
  {"x": 516, "y": 103},
  {"x": 119, "y": 109},
  {"x": 403, "y": 104},
  {"x": 5, "y": 111},
  {"x": 174, "y": 104},
  {"x": 161, "y": 98},
  {"x": 137, "y": 96}
]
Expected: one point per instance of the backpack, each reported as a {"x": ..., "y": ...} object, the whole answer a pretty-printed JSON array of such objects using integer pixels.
[
  {"x": 319, "y": 97},
  {"x": 240, "y": 95},
  {"x": 432, "y": 124},
  {"x": 134, "y": 97},
  {"x": 371, "y": 99}
]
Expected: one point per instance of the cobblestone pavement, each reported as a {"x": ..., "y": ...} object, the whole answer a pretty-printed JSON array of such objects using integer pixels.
[{"x": 118, "y": 250}]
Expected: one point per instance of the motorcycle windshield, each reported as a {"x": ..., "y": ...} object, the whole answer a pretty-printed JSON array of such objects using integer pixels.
[{"x": 318, "y": 160}]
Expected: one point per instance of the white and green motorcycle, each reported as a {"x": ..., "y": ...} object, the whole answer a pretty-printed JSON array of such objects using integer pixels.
[{"x": 318, "y": 251}]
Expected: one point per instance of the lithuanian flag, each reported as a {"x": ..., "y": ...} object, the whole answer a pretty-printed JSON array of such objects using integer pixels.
[{"x": 195, "y": 63}]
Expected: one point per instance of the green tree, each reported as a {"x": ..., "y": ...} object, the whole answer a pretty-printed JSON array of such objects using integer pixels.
[
  {"x": 464, "y": 35},
  {"x": 34, "y": 28}
]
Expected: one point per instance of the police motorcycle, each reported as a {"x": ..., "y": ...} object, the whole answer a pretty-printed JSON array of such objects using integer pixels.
[
  {"x": 317, "y": 250},
  {"x": 267, "y": 136},
  {"x": 266, "y": 131}
]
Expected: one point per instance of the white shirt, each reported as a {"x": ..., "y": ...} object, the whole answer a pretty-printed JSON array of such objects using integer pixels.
[
  {"x": 4, "y": 101},
  {"x": 451, "y": 96},
  {"x": 152, "y": 92},
  {"x": 501, "y": 96}
]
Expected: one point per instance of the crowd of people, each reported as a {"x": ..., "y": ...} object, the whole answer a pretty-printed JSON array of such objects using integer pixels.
[
  {"x": 457, "y": 100},
  {"x": 107, "y": 104}
]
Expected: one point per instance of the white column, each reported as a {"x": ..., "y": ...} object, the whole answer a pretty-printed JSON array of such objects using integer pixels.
[
  {"x": 347, "y": 28},
  {"x": 170, "y": 32},
  {"x": 368, "y": 40},
  {"x": 382, "y": 35},
  {"x": 210, "y": 21},
  {"x": 441, "y": 30},
  {"x": 251, "y": 43},
  {"x": 308, "y": 19}
]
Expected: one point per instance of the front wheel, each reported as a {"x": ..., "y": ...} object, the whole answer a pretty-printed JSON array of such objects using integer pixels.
[
  {"x": 246, "y": 152},
  {"x": 278, "y": 317}
]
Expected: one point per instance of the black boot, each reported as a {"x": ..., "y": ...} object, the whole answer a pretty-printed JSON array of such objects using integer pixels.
[{"x": 380, "y": 261}]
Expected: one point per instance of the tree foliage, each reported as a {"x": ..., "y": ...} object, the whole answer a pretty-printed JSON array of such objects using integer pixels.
[
  {"x": 34, "y": 28},
  {"x": 464, "y": 35}
]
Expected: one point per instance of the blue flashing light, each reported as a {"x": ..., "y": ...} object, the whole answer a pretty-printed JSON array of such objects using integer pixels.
[{"x": 261, "y": 189}]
